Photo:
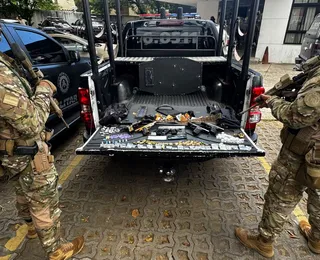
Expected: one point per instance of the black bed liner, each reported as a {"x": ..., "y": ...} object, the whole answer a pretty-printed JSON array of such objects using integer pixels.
[{"x": 196, "y": 102}]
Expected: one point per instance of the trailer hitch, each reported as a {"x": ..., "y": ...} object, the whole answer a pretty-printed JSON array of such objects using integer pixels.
[{"x": 168, "y": 173}]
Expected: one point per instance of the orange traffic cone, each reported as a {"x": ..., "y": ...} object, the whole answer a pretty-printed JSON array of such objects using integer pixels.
[{"x": 265, "y": 58}]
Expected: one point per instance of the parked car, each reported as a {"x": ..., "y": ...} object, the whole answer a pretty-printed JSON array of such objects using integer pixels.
[
  {"x": 311, "y": 43},
  {"x": 52, "y": 24},
  {"x": 76, "y": 43},
  {"x": 61, "y": 66},
  {"x": 79, "y": 29}
]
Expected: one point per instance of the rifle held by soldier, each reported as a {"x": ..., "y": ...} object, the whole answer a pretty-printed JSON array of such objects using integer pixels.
[
  {"x": 35, "y": 77},
  {"x": 287, "y": 87}
]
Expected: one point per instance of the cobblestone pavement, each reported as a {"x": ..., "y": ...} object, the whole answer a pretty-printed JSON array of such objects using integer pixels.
[{"x": 125, "y": 210}]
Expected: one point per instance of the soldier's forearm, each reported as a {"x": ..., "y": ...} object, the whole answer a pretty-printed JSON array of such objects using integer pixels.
[
  {"x": 280, "y": 109},
  {"x": 289, "y": 113}
]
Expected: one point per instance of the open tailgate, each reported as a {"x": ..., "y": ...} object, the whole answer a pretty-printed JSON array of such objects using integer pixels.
[{"x": 230, "y": 143}]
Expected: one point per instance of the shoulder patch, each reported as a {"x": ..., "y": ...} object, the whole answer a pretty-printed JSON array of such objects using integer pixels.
[
  {"x": 11, "y": 100},
  {"x": 312, "y": 99}
]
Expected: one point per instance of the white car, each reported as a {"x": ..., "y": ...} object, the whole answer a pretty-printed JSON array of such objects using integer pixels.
[{"x": 75, "y": 43}]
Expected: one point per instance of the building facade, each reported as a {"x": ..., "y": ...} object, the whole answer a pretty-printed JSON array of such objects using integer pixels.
[{"x": 284, "y": 24}]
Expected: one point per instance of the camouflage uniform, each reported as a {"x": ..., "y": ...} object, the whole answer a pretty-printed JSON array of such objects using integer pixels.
[
  {"x": 22, "y": 119},
  {"x": 285, "y": 187}
]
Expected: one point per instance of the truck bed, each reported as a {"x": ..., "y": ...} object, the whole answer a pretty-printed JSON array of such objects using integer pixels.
[
  {"x": 196, "y": 102},
  {"x": 204, "y": 145}
]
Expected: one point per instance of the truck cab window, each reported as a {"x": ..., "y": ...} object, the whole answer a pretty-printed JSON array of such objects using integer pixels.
[
  {"x": 42, "y": 50},
  {"x": 5, "y": 47}
]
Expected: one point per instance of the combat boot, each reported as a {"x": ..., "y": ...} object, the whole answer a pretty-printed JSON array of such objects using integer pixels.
[
  {"x": 68, "y": 249},
  {"x": 263, "y": 246},
  {"x": 32, "y": 233},
  {"x": 313, "y": 243}
]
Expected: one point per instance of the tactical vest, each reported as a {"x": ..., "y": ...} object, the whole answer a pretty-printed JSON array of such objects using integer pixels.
[
  {"x": 305, "y": 143},
  {"x": 9, "y": 137},
  {"x": 12, "y": 65}
]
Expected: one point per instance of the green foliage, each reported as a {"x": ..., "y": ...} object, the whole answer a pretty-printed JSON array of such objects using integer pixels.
[
  {"x": 79, "y": 6},
  {"x": 142, "y": 6},
  {"x": 25, "y": 8}
]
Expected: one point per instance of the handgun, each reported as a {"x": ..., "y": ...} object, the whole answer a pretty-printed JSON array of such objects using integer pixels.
[
  {"x": 214, "y": 129},
  {"x": 196, "y": 129}
]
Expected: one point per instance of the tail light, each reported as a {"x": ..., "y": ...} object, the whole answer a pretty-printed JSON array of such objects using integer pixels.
[
  {"x": 255, "y": 113},
  {"x": 86, "y": 113},
  {"x": 84, "y": 97}
]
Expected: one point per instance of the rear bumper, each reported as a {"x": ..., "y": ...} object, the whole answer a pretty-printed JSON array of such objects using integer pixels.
[{"x": 172, "y": 154}]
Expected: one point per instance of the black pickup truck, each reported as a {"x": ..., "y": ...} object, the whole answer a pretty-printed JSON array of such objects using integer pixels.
[
  {"x": 59, "y": 65},
  {"x": 156, "y": 99}
]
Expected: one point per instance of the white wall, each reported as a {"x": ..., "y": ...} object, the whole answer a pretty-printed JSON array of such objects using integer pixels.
[
  {"x": 208, "y": 8},
  {"x": 272, "y": 33}
]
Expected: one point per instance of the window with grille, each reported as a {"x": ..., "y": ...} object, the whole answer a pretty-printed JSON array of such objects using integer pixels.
[{"x": 301, "y": 18}]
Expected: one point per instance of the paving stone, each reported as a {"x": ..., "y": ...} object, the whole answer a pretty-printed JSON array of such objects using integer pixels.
[{"x": 126, "y": 211}]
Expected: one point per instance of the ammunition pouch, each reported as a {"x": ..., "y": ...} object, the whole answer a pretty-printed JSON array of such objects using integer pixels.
[
  {"x": 8, "y": 147},
  {"x": 309, "y": 172},
  {"x": 297, "y": 141},
  {"x": 313, "y": 161},
  {"x": 302, "y": 143}
]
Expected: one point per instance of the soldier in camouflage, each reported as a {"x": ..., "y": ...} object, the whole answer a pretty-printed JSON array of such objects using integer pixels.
[
  {"x": 291, "y": 173},
  {"x": 22, "y": 123}
]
